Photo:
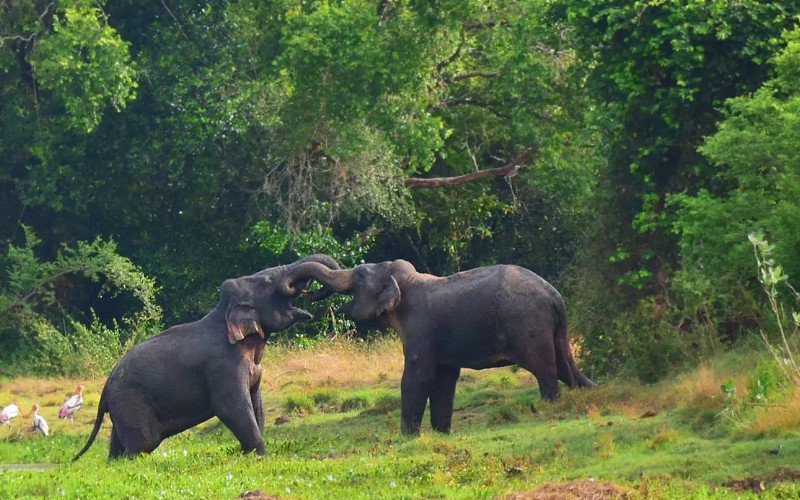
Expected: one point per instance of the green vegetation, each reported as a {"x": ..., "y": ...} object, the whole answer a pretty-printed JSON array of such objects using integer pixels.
[
  {"x": 625, "y": 151},
  {"x": 640, "y": 155},
  {"x": 38, "y": 333},
  {"x": 681, "y": 438}
]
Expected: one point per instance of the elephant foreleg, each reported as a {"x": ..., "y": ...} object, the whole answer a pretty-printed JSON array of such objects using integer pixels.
[
  {"x": 442, "y": 395},
  {"x": 258, "y": 407},
  {"x": 415, "y": 388},
  {"x": 237, "y": 413}
]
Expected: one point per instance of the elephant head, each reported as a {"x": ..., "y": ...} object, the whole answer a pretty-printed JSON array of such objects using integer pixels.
[
  {"x": 373, "y": 286},
  {"x": 261, "y": 303}
]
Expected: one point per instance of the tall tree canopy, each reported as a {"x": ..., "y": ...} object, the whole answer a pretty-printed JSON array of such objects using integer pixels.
[{"x": 580, "y": 139}]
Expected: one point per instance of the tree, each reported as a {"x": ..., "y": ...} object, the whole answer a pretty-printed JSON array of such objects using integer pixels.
[
  {"x": 663, "y": 69},
  {"x": 757, "y": 176}
]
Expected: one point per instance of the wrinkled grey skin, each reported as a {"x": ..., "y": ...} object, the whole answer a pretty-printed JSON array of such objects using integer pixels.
[
  {"x": 482, "y": 318},
  {"x": 210, "y": 367}
]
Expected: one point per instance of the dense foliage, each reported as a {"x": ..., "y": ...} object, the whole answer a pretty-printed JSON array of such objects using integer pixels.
[{"x": 213, "y": 139}]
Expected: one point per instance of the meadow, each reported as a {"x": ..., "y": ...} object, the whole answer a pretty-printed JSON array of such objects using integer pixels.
[{"x": 332, "y": 431}]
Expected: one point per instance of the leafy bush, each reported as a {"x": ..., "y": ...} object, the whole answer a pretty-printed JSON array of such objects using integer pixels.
[
  {"x": 638, "y": 343},
  {"x": 41, "y": 329}
]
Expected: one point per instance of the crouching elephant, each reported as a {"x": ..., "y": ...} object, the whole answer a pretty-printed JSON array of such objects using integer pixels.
[
  {"x": 482, "y": 318},
  {"x": 211, "y": 367}
]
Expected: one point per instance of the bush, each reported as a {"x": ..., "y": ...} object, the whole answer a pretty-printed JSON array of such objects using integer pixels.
[
  {"x": 40, "y": 328},
  {"x": 384, "y": 404},
  {"x": 638, "y": 343},
  {"x": 298, "y": 404},
  {"x": 325, "y": 400},
  {"x": 354, "y": 403}
]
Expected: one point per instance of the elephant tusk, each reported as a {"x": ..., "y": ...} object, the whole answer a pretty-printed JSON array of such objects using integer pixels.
[{"x": 258, "y": 329}]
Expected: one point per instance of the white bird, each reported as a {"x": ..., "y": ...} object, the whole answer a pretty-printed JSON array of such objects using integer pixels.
[
  {"x": 72, "y": 404},
  {"x": 8, "y": 413},
  {"x": 39, "y": 423}
]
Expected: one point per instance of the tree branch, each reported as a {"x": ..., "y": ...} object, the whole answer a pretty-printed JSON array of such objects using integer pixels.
[
  {"x": 507, "y": 170},
  {"x": 465, "y": 76}
]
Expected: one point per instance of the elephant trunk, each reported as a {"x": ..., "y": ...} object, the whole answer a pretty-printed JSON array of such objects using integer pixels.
[
  {"x": 320, "y": 258},
  {"x": 333, "y": 280}
]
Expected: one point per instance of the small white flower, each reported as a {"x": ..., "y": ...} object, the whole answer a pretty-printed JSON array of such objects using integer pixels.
[
  {"x": 164, "y": 453},
  {"x": 288, "y": 490},
  {"x": 163, "y": 493},
  {"x": 330, "y": 477},
  {"x": 392, "y": 484},
  {"x": 184, "y": 453},
  {"x": 61, "y": 492},
  {"x": 230, "y": 476}
]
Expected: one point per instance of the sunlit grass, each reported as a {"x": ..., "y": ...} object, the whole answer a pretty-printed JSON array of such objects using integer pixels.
[{"x": 333, "y": 431}]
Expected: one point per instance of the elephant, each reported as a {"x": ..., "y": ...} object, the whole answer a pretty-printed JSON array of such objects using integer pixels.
[
  {"x": 482, "y": 318},
  {"x": 211, "y": 367}
]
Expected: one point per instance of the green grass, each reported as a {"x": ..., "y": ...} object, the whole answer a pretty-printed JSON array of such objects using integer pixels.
[{"x": 498, "y": 446}]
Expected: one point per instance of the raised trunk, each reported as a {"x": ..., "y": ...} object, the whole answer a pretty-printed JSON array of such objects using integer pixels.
[
  {"x": 290, "y": 277},
  {"x": 332, "y": 280}
]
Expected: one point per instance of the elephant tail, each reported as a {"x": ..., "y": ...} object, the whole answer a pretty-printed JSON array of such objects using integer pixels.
[
  {"x": 565, "y": 363},
  {"x": 98, "y": 421}
]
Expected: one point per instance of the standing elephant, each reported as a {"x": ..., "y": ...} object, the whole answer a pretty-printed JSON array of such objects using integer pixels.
[
  {"x": 482, "y": 318},
  {"x": 211, "y": 367}
]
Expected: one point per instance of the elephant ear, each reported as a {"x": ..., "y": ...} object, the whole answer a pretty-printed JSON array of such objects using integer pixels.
[
  {"x": 242, "y": 320},
  {"x": 389, "y": 297}
]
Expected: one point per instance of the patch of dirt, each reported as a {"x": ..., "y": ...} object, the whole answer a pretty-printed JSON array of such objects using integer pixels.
[
  {"x": 758, "y": 485},
  {"x": 258, "y": 495},
  {"x": 580, "y": 489}
]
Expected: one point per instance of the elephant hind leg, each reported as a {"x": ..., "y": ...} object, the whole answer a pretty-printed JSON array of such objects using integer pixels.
[
  {"x": 548, "y": 383},
  {"x": 541, "y": 360},
  {"x": 137, "y": 432},
  {"x": 115, "y": 447}
]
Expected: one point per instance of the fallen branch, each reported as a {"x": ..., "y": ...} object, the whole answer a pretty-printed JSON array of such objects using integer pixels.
[{"x": 508, "y": 170}]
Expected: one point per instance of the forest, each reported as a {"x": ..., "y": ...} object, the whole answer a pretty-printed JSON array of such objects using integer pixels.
[{"x": 642, "y": 156}]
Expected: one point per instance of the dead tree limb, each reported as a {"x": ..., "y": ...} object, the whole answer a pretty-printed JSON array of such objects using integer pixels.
[{"x": 506, "y": 170}]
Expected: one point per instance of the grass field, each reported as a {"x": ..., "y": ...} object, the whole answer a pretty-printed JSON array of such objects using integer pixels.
[{"x": 333, "y": 432}]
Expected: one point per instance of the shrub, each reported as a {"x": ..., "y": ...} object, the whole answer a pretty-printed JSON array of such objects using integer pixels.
[
  {"x": 637, "y": 343},
  {"x": 384, "y": 404},
  {"x": 298, "y": 404},
  {"x": 504, "y": 414},
  {"x": 41, "y": 330},
  {"x": 325, "y": 400},
  {"x": 353, "y": 403}
]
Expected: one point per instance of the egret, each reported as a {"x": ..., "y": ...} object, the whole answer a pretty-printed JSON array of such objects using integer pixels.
[
  {"x": 8, "y": 413},
  {"x": 39, "y": 423},
  {"x": 72, "y": 405}
]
